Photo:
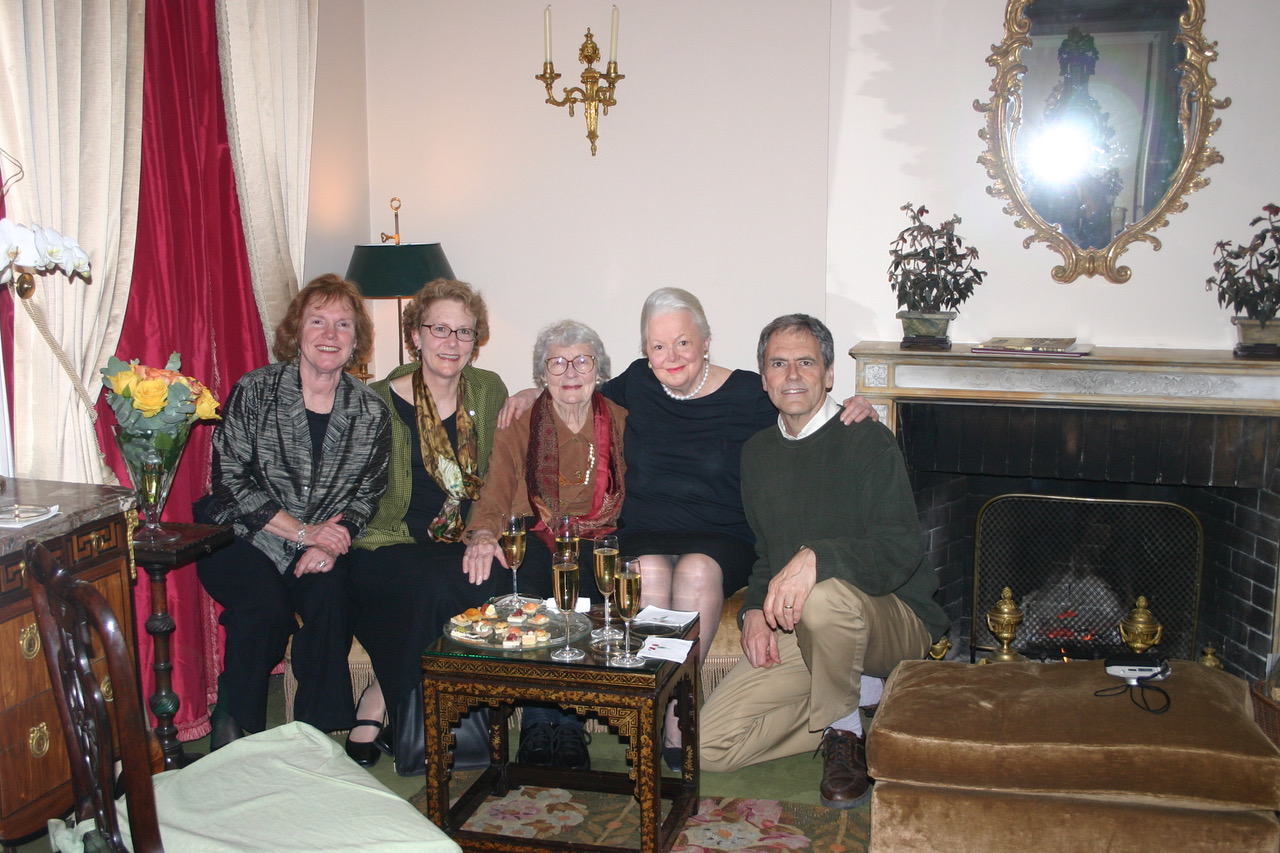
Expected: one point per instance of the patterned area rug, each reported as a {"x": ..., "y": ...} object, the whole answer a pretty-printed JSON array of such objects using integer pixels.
[{"x": 749, "y": 826}]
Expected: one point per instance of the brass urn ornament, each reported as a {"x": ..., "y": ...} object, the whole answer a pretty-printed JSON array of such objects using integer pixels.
[
  {"x": 939, "y": 650},
  {"x": 1140, "y": 630},
  {"x": 1003, "y": 620},
  {"x": 1210, "y": 658}
]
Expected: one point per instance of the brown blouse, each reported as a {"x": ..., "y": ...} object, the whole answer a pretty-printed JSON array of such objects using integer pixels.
[{"x": 505, "y": 492}]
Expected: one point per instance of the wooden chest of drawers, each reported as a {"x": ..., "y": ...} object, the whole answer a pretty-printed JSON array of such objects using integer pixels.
[{"x": 91, "y": 537}]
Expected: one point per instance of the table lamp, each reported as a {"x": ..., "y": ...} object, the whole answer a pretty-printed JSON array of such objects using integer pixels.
[{"x": 396, "y": 270}]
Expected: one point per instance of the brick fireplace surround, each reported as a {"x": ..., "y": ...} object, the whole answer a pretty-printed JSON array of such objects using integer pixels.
[{"x": 1197, "y": 428}]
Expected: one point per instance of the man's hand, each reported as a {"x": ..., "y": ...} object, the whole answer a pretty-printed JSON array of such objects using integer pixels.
[
  {"x": 789, "y": 589},
  {"x": 759, "y": 642},
  {"x": 857, "y": 409}
]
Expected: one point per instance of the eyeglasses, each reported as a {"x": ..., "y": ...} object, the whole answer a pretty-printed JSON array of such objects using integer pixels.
[
  {"x": 582, "y": 364},
  {"x": 440, "y": 330}
]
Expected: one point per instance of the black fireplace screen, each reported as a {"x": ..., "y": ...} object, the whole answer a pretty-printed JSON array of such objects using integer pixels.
[{"x": 1076, "y": 566}]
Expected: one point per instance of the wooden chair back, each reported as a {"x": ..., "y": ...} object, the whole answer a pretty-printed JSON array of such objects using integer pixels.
[{"x": 74, "y": 617}]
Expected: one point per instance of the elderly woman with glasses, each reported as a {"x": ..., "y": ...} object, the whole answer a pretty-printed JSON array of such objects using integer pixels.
[
  {"x": 407, "y": 567},
  {"x": 563, "y": 456}
]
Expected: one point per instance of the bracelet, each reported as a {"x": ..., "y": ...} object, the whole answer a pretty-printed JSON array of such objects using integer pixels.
[{"x": 302, "y": 532}]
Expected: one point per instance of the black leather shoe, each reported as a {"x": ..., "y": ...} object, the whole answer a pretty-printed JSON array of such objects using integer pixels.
[
  {"x": 223, "y": 728},
  {"x": 569, "y": 748},
  {"x": 845, "y": 783},
  {"x": 536, "y": 744},
  {"x": 673, "y": 757},
  {"x": 365, "y": 754}
]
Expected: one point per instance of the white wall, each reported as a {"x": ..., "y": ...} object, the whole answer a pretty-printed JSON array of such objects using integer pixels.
[
  {"x": 711, "y": 171},
  {"x": 758, "y": 156},
  {"x": 903, "y": 129}
]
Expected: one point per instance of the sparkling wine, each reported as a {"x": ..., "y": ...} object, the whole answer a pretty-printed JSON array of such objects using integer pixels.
[
  {"x": 567, "y": 543},
  {"x": 606, "y": 569},
  {"x": 564, "y": 580},
  {"x": 627, "y": 594},
  {"x": 513, "y": 548}
]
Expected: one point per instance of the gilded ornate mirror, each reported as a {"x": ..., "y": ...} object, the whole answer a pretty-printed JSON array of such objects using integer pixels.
[{"x": 1099, "y": 123}]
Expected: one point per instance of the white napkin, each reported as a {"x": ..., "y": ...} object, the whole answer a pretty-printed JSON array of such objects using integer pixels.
[
  {"x": 666, "y": 648},
  {"x": 658, "y": 616},
  {"x": 583, "y": 605}
]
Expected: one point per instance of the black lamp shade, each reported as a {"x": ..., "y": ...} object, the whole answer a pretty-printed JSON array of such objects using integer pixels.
[{"x": 389, "y": 271}]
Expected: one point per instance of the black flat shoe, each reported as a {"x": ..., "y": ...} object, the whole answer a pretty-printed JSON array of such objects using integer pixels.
[
  {"x": 673, "y": 757},
  {"x": 365, "y": 754}
]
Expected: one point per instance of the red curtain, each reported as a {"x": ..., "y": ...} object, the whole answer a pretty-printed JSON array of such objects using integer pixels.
[
  {"x": 191, "y": 293},
  {"x": 6, "y": 331}
]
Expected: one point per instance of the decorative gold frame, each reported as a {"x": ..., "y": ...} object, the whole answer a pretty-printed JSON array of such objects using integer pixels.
[{"x": 1004, "y": 115}]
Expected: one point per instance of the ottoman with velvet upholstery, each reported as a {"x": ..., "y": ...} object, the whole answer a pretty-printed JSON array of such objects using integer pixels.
[{"x": 1023, "y": 756}]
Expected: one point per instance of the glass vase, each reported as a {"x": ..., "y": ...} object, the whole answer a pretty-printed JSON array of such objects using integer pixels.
[{"x": 152, "y": 459}]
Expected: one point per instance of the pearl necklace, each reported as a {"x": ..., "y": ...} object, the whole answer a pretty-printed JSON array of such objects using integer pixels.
[
  {"x": 706, "y": 371},
  {"x": 591, "y": 466}
]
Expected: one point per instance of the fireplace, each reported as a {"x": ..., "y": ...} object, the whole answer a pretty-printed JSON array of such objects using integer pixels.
[
  {"x": 1192, "y": 429},
  {"x": 1078, "y": 566}
]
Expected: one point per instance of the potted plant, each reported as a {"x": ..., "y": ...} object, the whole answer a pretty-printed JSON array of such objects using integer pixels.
[
  {"x": 1248, "y": 280},
  {"x": 932, "y": 272}
]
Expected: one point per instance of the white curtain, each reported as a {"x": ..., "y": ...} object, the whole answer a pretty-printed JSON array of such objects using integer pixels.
[
  {"x": 71, "y": 113},
  {"x": 268, "y": 57}
]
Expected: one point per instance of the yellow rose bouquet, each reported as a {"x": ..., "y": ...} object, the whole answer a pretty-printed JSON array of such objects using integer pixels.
[{"x": 154, "y": 411}]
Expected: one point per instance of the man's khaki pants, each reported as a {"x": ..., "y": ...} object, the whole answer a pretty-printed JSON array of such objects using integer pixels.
[{"x": 760, "y": 714}]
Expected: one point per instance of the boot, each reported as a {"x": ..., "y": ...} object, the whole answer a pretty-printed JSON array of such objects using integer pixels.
[
  {"x": 407, "y": 735},
  {"x": 223, "y": 727}
]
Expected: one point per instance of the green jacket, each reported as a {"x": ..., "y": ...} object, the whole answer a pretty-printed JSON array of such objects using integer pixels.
[{"x": 485, "y": 395}]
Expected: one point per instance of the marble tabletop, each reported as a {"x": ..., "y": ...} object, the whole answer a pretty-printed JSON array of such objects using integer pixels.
[{"x": 78, "y": 504}]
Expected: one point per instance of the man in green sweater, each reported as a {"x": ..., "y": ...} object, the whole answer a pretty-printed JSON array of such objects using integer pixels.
[{"x": 841, "y": 590}]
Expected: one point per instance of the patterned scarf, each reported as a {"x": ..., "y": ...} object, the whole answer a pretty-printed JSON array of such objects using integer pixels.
[
  {"x": 455, "y": 474},
  {"x": 542, "y": 470}
]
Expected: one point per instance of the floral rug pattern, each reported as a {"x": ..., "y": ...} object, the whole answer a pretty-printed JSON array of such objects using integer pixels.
[{"x": 742, "y": 825}]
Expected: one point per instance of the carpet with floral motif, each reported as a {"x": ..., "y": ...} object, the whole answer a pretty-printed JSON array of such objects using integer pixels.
[{"x": 746, "y": 825}]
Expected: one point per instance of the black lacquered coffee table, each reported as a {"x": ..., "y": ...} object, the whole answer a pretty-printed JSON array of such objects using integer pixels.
[{"x": 632, "y": 702}]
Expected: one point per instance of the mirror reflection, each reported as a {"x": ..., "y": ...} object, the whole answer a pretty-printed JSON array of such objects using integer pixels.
[
  {"x": 1099, "y": 123},
  {"x": 1099, "y": 141}
]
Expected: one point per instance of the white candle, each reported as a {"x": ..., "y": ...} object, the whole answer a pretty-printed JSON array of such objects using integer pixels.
[
  {"x": 613, "y": 38},
  {"x": 546, "y": 31}
]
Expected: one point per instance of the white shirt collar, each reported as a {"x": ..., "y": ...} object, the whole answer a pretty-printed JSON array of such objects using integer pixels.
[{"x": 828, "y": 411}]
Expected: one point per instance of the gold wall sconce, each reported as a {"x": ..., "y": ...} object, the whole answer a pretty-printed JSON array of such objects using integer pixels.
[{"x": 593, "y": 94}]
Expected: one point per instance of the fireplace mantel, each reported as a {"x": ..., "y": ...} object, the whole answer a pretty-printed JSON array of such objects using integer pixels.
[{"x": 1175, "y": 380}]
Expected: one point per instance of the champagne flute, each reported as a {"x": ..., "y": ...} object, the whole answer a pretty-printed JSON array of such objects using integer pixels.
[
  {"x": 564, "y": 582},
  {"x": 627, "y": 597},
  {"x": 566, "y": 531},
  {"x": 513, "y": 542},
  {"x": 606, "y": 568}
]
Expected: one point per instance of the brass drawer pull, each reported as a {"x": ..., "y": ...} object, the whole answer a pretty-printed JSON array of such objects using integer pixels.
[
  {"x": 95, "y": 541},
  {"x": 108, "y": 692},
  {"x": 29, "y": 641},
  {"x": 38, "y": 740}
]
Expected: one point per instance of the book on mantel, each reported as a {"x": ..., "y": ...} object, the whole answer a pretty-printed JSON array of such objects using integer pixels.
[{"x": 1066, "y": 347}]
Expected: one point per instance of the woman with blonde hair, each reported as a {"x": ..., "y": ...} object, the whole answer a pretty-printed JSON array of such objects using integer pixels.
[{"x": 407, "y": 572}]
